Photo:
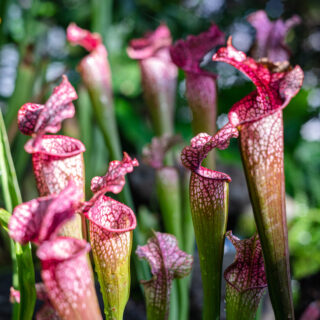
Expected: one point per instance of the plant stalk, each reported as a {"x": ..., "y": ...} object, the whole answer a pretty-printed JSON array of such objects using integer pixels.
[
  {"x": 169, "y": 196},
  {"x": 265, "y": 179},
  {"x": 209, "y": 207},
  {"x": 23, "y": 270}
]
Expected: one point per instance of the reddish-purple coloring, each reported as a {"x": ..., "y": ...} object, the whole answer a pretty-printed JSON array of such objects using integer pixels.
[
  {"x": 167, "y": 262},
  {"x": 247, "y": 270},
  {"x": 270, "y": 36},
  {"x": 158, "y": 76},
  {"x": 312, "y": 312},
  {"x": 188, "y": 54},
  {"x": 68, "y": 278},
  {"x": 82, "y": 37},
  {"x": 258, "y": 117},
  {"x": 193, "y": 155},
  {"x": 47, "y": 311},
  {"x": 94, "y": 67},
  {"x": 154, "y": 153},
  {"x": 56, "y": 160},
  {"x": 106, "y": 213},
  {"x": 245, "y": 277},
  {"x": 110, "y": 226},
  {"x": 40, "y": 219},
  {"x": 276, "y": 85},
  {"x": 111, "y": 223},
  {"x": 150, "y": 44},
  {"x": 114, "y": 180},
  {"x": 111, "y": 216},
  {"x": 36, "y": 119},
  {"x": 201, "y": 89}
]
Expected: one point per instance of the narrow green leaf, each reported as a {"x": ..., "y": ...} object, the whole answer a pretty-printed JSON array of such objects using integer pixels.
[
  {"x": 168, "y": 191},
  {"x": 101, "y": 14},
  {"x": 10, "y": 188},
  {"x": 4, "y": 218},
  {"x": 23, "y": 271},
  {"x": 209, "y": 207}
]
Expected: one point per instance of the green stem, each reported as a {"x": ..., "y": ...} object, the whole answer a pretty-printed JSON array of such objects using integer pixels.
[
  {"x": 183, "y": 295},
  {"x": 259, "y": 311},
  {"x": 169, "y": 196},
  {"x": 266, "y": 184},
  {"x": 174, "y": 302},
  {"x": 101, "y": 16},
  {"x": 188, "y": 242},
  {"x": 105, "y": 117},
  {"x": 201, "y": 92},
  {"x": 26, "y": 280},
  {"x": 22, "y": 257},
  {"x": 168, "y": 192},
  {"x": 186, "y": 218},
  {"x": 15, "y": 279},
  {"x": 161, "y": 119},
  {"x": 84, "y": 113},
  {"x": 21, "y": 159},
  {"x": 209, "y": 206}
]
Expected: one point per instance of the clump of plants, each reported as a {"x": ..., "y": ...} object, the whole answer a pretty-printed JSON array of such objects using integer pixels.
[{"x": 193, "y": 197}]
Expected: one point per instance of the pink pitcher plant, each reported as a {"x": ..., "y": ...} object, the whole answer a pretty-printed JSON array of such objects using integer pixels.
[
  {"x": 56, "y": 159},
  {"x": 158, "y": 75},
  {"x": 246, "y": 279},
  {"x": 270, "y": 36},
  {"x": 66, "y": 272},
  {"x": 258, "y": 117},
  {"x": 96, "y": 75},
  {"x": 209, "y": 195},
  {"x": 95, "y": 68},
  {"x": 55, "y": 220},
  {"x": 40, "y": 219},
  {"x": 167, "y": 262},
  {"x": 110, "y": 230},
  {"x": 68, "y": 278},
  {"x": 201, "y": 89}
]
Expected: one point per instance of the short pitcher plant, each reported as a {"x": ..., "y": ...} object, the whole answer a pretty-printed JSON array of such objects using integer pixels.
[{"x": 110, "y": 231}]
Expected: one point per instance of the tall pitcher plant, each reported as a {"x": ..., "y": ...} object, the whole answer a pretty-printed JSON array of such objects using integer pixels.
[
  {"x": 258, "y": 117},
  {"x": 209, "y": 195}
]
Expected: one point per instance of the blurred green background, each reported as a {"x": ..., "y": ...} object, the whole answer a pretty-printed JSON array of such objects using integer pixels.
[{"x": 34, "y": 54}]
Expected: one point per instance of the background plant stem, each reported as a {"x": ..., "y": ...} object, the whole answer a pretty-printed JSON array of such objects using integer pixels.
[
  {"x": 101, "y": 16},
  {"x": 169, "y": 196},
  {"x": 209, "y": 206}
]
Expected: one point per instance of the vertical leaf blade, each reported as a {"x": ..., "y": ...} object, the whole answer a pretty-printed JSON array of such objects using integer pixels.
[{"x": 23, "y": 277}]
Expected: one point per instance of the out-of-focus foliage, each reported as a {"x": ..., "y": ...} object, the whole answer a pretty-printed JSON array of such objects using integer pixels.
[{"x": 304, "y": 241}]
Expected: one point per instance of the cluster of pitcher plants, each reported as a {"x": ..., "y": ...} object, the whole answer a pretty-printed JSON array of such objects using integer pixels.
[{"x": 193, "y": 197}]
